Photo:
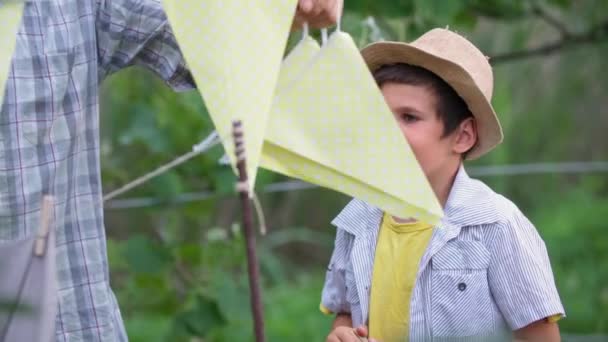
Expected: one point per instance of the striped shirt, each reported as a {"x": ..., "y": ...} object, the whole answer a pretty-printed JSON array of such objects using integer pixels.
[
  {"x": 485, "y": 272},
  {"x": 49, "y": 138}
]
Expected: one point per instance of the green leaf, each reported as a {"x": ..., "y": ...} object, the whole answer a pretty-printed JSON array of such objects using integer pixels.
[
  {"x": 145, "y": 256},
  {"x": 190, "y": 253},
  {"x": 439, "y": 11},
  {"x": 565, "y": 4},
  {"x": 380, "y": 8},
  {"x": 201, "y": 319},
  {"x": 167, "y": 185},
  {"x": 265, "y": 177},
  {"x": 500, "y": 9},
  {"x": 232, "y": 293},
  {"x": 224, "y": 180},
  {"x": 146, "y": 327},
  {"x": 465, "y": 21}
]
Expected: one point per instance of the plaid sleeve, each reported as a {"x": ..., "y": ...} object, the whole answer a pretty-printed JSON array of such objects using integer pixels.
[
  {"x": 520, "y": 275},
  {"x": 137, "y": 32},
  {"x": 333, "y": 298}
]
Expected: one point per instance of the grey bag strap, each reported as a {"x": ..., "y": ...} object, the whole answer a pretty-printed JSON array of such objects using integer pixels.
[{"x": 28, "y": 285}]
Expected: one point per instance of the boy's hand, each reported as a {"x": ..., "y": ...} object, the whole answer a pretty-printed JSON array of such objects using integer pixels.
[
  {"x": 538, "y": 331},
  {"x": 347, "y": 334},
  {"x": 317, "y": 13}
]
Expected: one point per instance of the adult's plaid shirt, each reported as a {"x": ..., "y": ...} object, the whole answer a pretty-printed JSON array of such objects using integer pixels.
[{"x": 49, "y": 138}]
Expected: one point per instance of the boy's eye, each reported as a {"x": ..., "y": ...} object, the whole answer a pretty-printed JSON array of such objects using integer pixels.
[{"x": 409, "y": 118}]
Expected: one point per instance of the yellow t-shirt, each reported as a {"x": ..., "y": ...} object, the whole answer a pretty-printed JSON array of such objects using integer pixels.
[{"x": 398, "y": 252}]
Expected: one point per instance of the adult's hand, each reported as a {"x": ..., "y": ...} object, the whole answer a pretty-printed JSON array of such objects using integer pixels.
[{"x": 317, "y": 13}]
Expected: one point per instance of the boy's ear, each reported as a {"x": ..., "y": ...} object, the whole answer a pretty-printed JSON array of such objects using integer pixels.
[{"x": 466, "y": 136}]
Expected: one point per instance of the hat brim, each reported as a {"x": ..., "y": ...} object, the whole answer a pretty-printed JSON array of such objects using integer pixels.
[{"x": 489, "y": 132}]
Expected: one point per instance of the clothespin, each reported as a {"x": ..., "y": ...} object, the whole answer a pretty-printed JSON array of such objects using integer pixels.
[
  {"x": 324, "y": 36},
  {"x": 45, "y": 224}
]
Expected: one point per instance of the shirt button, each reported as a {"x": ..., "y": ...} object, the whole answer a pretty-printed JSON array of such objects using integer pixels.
[{"x": 462, "y": 286}]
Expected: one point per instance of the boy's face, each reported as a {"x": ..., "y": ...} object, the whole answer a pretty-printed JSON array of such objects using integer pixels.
[{"x": 415, "y": 108}]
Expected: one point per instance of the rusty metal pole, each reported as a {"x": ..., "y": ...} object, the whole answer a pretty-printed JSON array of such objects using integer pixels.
[{"x": 252, "y": 260}]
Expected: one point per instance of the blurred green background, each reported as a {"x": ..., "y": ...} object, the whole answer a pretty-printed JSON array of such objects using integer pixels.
[{"x": 177, "y": 255}]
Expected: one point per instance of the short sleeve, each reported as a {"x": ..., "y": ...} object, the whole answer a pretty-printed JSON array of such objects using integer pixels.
[
  {"x": 333, "y": 298},
  {"x": 520, "y": 275},
  {"x": 137, "y": 32}
]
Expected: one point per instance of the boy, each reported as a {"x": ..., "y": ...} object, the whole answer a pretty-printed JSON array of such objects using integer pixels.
[{"x": 483, "y": 272}]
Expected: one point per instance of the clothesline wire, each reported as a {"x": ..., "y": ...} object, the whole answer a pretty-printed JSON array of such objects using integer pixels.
[
  {"x": 295, "y": 185},
  {"x": 202, "y": 147}
]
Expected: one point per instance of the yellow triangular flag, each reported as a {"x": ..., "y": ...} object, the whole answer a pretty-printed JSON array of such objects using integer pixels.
[
  {"x": 234, "y": 51},
  {"x": 297, "y": 61},
  {"x": 10, "y": 18},
  {"x": 333, "y": 127}
]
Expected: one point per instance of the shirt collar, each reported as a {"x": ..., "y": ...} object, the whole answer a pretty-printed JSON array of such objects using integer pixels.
[
  {"x": 470, "y": 202},
  {"x": 358, "y": 217}
]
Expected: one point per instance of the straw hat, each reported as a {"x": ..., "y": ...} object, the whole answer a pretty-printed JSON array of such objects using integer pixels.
[{"x": 460, "y": 64}]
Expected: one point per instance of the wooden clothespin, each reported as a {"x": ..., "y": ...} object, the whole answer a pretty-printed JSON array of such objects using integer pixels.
[{"x": 46, "y": 211}]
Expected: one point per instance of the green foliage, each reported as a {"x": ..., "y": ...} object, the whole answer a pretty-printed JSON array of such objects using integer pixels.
[
  {"x": 575, "y": 235},
  {"x": 176, "y": 291},
  {"x": 144, "y": 256},
  {"x": 199, "y": 320}
]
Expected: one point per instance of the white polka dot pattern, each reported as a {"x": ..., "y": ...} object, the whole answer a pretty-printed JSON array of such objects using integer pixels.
[
  {"x": 10, "y": 17},
  {"x": 332, "y": 127},
  {"x": 234, "y": 50}
]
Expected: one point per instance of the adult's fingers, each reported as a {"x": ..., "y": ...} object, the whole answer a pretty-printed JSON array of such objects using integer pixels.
[
  {"x": 323, "y": 13},
  {"x": 305, "y": 5},
  {"x": 334, "y": 10}
]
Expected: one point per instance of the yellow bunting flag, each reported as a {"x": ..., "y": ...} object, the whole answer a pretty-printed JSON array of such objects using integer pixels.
[
  {"x": 234, "y": 50},
  {"x": 331, "y": 126},
  {"x": 10, "y": 18}
]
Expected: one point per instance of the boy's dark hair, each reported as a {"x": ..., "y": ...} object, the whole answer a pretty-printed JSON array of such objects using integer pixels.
[{"x": 451, "y": 108}]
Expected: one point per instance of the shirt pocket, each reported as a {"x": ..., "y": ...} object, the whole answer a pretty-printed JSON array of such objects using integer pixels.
[
  {"x": 48, "y": 115},
  {"x": 461, "y": 303}
]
